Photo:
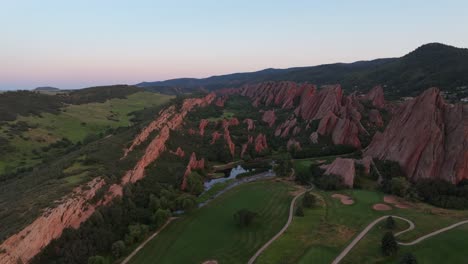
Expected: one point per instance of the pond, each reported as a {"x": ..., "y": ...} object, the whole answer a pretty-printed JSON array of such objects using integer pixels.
[{"x": 232, "y": 175}]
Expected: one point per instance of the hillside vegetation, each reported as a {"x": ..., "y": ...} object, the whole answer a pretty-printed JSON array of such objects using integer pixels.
[{"x": 430, "y": 65}]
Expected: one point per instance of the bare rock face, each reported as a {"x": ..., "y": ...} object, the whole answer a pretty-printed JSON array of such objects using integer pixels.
[
  {"x": 227, "y": 135},
  {"x": 376, "y": 96},
  {"x": 23, "y": 246},
  {"x": 314, "y": 137},
  {"x": 75, "y": 208},
  {"x": 344, "y": 168},
  {"x": 215, "y": 136},
  {"x": 281, "y": 94},
  {"x": 269, "y": 117},
  {"x": 260, "y": 143},
  {"x": 283, "y": 129},
  {"x": 192, "y": 165},
  {"x": 427, "y": 137},
  {"x": 220, "y": 101},
  {"x": 375, "y": 118},
  {"x": 250, "y": 124},
  {"x": 202, "y": 126},
  {"x": 316, "y": 104},
  {"x": 179, "y": 152}
]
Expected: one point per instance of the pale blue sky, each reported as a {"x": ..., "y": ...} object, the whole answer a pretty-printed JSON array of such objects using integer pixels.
[{"x": 73, "y": 44}]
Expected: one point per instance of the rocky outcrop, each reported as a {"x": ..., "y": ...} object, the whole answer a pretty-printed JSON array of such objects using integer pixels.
[
  {"x": 260, "y": 143},
  {"x": 202, "y": 126},
  {"x": 220, "y": 101},
  {"x": 227, "y": 135},
  {"x": 281, "y": 94},
  {"x": 192, "y": 165},
  {"x": 283, "y": 129},
  {"x": 315, "y": 104},
  {"x": 343, "y": 131},
  {"x": 375, "y": 118},
  {"x": 246, "y": 145},
  {"x": 269, "y": 117},
  {"x": 179, "y": 152},
  {"x": 427, "y": 137},
  {"x": 344, "y": 168},
  {"x": 71, "y": 212},
  {"x": 376, "y": 97},
  {"x": 75, "y": 209},
  {"x": 314, "y": 137},
  {"x": 250, "y": 124},
  {"x": 215, "y": 136}
]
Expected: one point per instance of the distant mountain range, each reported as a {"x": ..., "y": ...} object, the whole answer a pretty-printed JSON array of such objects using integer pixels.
[{"x": 430, "y": 65}]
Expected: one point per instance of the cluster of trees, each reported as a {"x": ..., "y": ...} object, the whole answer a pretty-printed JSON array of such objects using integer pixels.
[
  {"x": 444, "y": 194},
  {"x": 315, "y": 175},
  {"x": 112, "y": 229}
]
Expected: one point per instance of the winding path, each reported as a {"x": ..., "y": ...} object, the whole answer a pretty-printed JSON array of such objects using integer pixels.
[
  {"x": 411, "y": 227},
  {"x": 267, "y": 244}
]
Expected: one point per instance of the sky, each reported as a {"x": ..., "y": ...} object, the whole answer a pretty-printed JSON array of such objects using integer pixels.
[{"x": 76, "y": 44}]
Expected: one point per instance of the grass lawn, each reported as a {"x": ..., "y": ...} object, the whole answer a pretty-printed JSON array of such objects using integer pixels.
[
  {"x": 449, "y": 247},
  {"x": 226, "y": 115},
  {"x": 211, "y": 233},
  {"x": 343, "y": 222},
  {"x": 297, "y": 239}
]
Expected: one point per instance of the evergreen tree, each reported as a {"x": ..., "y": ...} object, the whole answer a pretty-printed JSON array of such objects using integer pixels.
[{"x": 389, "y": 244}]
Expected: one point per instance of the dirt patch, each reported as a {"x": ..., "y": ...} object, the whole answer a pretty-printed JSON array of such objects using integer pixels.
[
  {"x": 381, "y": 207},
  {"x": 210, "y": 262},
  {"x": 344, "y": 199},
  {"x": 397, "y": 202}
]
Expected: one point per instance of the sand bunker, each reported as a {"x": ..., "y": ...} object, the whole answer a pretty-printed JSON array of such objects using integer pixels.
[
  {"x": 344, "y": 199},
  {"x": 395, "y": 201},
  {"x": 211, "y": 262},
  {"x": 381, "y": 207}
]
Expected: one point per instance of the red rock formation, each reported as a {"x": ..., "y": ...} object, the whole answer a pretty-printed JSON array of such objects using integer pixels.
[
  {"x": 75, "y": 209},
  {"x": 71, "y": 212},
  {"x": 269, "y": 117},
  {"x": 316, "y": 104},
  {"x": 179, "y": 152},
  {"x": 344, "y": 168},
  {"x": 246, "y": 145},
  {"x": 250, "y": 124},
  {"x": 202, "y": 126},
  {"x": 428, "y": 137},
  {"x": 215, "y": 136},
  {"x": 283, "y": 129},
  {"x": 280, "y": 94},
  {"x": 192, "y": 165},
  {"x": 314, "y": 137},
  {"x": 292, "y": 143},
  {"x": 296, "y": 131},
  {"x": 376, "y": 96},
  {"x": 260, "y": 143},
  {"x": 227, "y": 135},
  {"x": 220, "y": 101},
  {"x": 375, "y": 117}
]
